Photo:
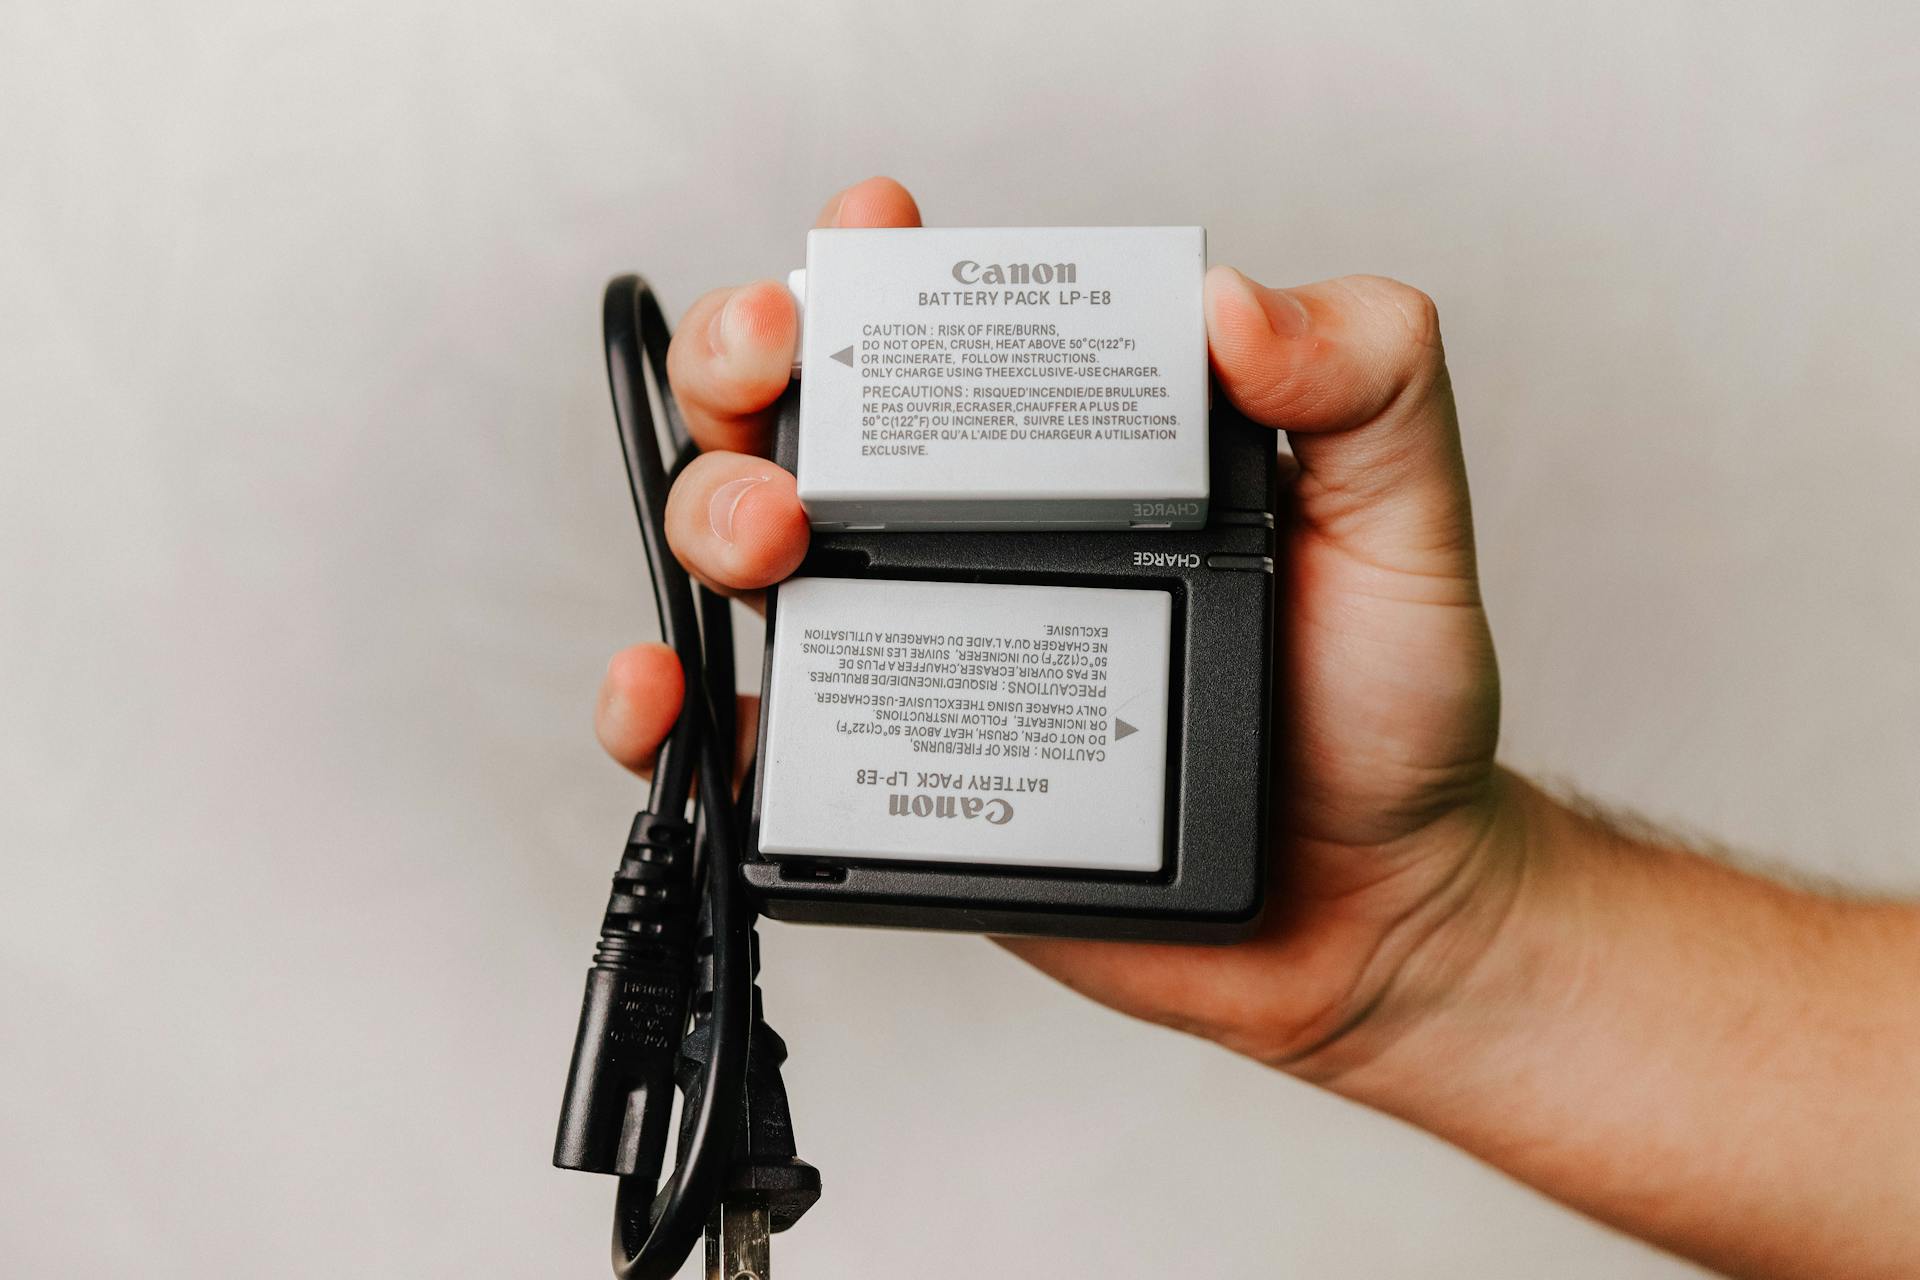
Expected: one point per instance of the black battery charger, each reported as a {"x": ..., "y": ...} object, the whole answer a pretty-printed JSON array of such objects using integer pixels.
[{"x": 1210, "y": 879}]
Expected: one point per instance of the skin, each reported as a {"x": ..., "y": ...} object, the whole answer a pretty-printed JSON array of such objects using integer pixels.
[{"x": 1718, "y": 1064}]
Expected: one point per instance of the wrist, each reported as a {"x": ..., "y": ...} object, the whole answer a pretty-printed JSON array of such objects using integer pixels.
[{"x": 1467, "y": 948}]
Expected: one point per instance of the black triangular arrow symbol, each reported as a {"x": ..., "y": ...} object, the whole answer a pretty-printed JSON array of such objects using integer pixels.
[
  {"x": 845, "y": 357},
  {"x": 1122, "y": 729}
]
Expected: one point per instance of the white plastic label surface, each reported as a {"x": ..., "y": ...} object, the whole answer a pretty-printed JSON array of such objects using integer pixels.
[
  {"x": 967, "y": 723},
  {"x": 1004, "y": 376}
]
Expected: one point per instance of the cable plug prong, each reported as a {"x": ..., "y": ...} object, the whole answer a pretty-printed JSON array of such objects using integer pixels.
[{"x": 739, "y": 1239}]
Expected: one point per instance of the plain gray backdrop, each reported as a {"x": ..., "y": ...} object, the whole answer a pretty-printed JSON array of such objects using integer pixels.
[{"x": 316, "y": 544}]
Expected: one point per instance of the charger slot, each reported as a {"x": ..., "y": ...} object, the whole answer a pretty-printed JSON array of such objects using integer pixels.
[
  {"x": 837, "y": 562},
  {"x": 812, "y": 872}
]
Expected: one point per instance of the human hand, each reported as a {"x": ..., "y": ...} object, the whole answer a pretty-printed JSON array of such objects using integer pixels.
[{"x": 1394, "y": 838}]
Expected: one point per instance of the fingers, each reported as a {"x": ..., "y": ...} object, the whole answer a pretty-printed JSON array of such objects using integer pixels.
[
  {"x": 877, "y": 202},
  {"x": 733, "y": 519},
  {"x": 735, "y": 522},
  {"x": 729, "y": 361},
  {"x": 732, "y": 356},
  {"x": 1353, "y": 370},
  {"x": 639, "y": 701}
]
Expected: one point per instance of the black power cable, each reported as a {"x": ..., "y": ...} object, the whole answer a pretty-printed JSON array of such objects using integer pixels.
[{"x": 677, "y": 937}]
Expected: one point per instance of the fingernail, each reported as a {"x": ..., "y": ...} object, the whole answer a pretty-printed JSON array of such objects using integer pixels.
[
  {"x": 726, "y": 502},
  {"x": 1286, "y": 315},
  {"x": 721, "y": 330}
]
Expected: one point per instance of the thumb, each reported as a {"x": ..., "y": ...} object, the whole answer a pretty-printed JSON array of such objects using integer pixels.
[{"x": 1353, "y": 371}]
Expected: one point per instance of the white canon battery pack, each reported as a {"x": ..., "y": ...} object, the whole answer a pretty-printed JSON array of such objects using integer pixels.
[
  {"x": 959, "y": 722},
  {"x": 1003, "y": 377}
]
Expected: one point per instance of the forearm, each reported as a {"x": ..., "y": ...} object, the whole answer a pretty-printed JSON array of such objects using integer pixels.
[{"x": 1700, "y": 1057}]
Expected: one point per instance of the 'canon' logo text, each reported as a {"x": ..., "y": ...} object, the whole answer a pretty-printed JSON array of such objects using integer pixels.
[
  {"x": 967, "y": 271},
  {"x": 996, "y": 811}
]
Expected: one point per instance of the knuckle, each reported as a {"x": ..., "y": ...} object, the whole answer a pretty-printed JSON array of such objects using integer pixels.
[
  {"x": 1406, "y": 325},
  {"x": 1414, "y": 311}
]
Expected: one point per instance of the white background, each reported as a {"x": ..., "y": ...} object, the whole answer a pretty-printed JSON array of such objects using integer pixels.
[{"x": 315, "y": 544}]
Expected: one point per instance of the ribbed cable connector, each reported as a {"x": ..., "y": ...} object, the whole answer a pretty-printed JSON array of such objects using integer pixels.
[{"x": 620, "y": 1085}]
